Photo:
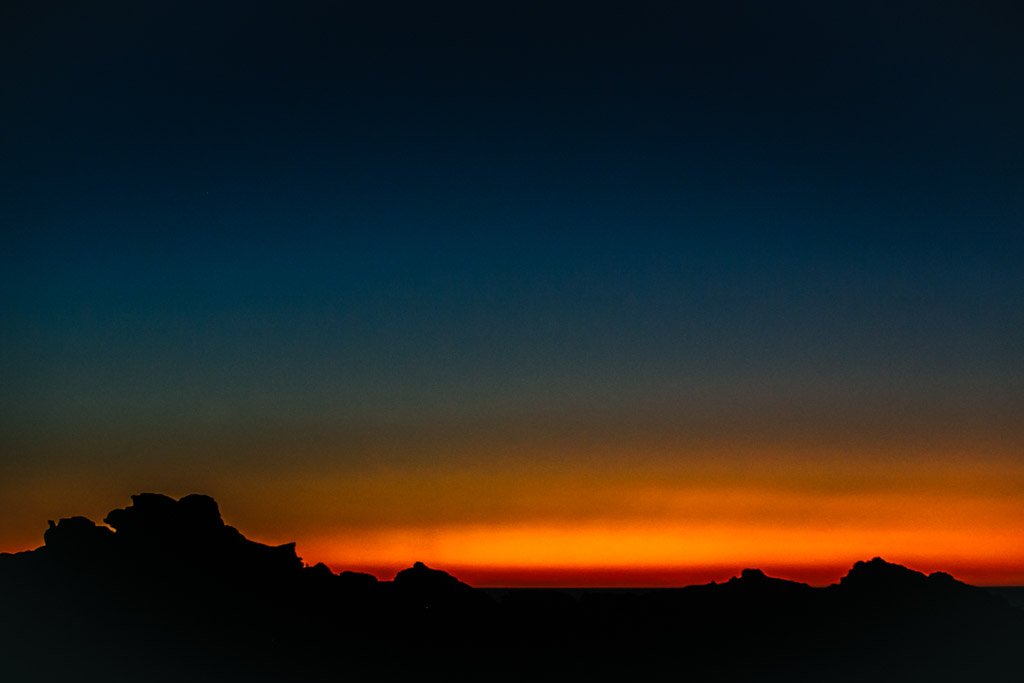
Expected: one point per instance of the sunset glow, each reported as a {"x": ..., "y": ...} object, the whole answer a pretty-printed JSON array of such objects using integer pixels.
[
  {"x": 691, "y": 511},
  {"x": 804, "y": 534},
  {"x": 637, "y": 298}
]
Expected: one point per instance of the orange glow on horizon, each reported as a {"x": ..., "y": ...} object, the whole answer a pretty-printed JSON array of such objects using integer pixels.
[
  {"x": 813, "y": 552},
  {"x": 664, "y": 515},
  {"x": 959, "y": 519}
]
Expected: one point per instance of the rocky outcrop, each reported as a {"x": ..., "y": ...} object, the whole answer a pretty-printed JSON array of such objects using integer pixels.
[{"x": 162, "y": 534}]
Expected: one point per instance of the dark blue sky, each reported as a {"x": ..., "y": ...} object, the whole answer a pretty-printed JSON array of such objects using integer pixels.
[{"x": 309, "y": 213}]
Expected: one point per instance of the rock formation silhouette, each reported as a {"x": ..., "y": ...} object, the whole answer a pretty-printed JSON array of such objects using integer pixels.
[{"x": 167, "y": 591}]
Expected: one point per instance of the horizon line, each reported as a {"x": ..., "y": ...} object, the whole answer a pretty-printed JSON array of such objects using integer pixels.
[{"x": 655, "y": 577}]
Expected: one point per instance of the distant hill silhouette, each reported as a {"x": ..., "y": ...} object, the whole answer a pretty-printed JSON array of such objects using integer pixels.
[{"x": 168, "y": 591}]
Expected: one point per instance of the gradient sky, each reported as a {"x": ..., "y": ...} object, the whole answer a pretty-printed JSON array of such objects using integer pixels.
[{"x": 603, "y": 293}]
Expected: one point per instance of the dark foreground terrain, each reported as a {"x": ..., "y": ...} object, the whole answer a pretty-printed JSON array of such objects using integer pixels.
[{"x": 167, "y": 592}]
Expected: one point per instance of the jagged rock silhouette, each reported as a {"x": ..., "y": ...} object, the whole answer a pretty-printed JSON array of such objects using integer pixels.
[
  {"x": 180, "y": 594},
  {"x": 77, "y": 538},
  {"x": 168, "y": 535},
  {"x": 429, "y": 585},
  {"x": 877, "y": 573}
]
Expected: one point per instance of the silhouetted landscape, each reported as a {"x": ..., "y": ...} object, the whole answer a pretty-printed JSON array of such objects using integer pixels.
[
  {"x": 167, "y": 591},
  {"x": 536, "y": 317}
]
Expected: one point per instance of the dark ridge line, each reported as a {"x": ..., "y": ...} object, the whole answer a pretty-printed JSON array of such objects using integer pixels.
[{"x": 169, "y": 589}]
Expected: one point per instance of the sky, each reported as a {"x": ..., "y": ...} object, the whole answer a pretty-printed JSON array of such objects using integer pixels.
[{"x": 541, "y": 293}]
